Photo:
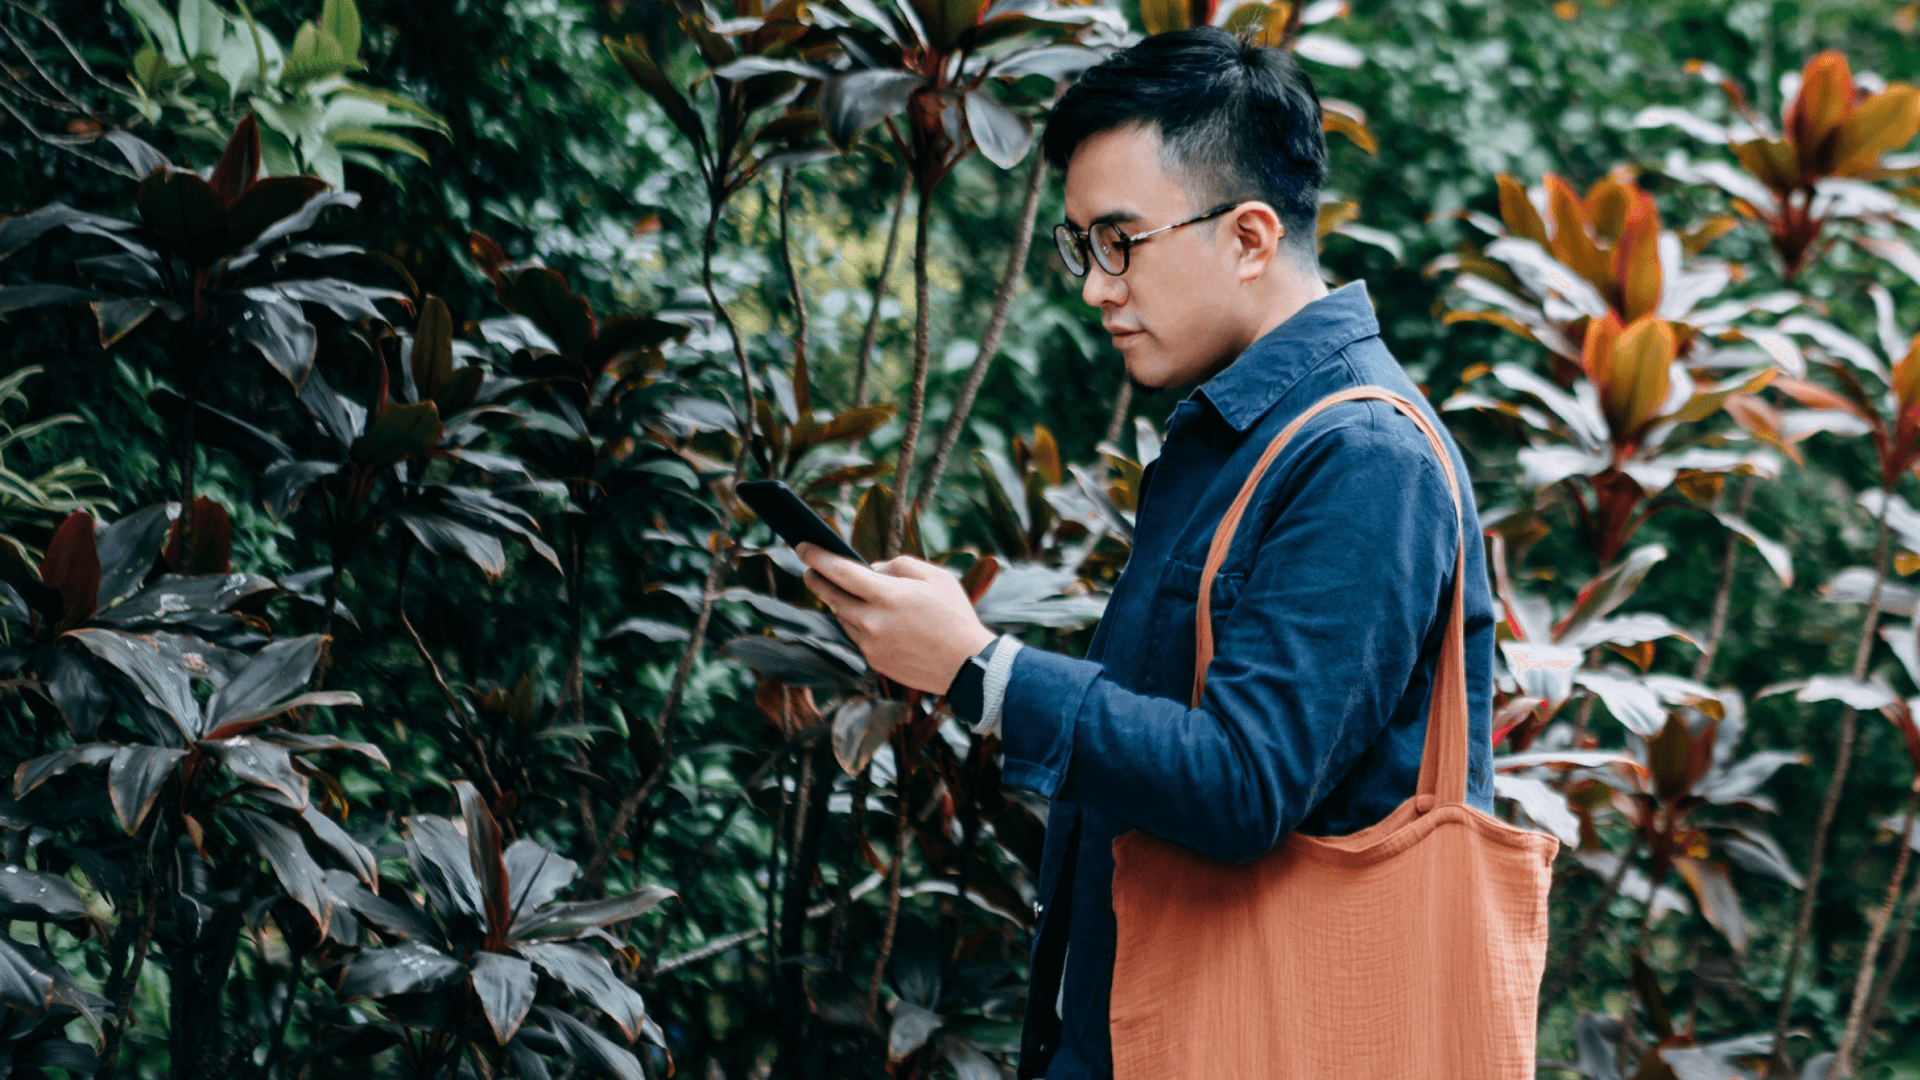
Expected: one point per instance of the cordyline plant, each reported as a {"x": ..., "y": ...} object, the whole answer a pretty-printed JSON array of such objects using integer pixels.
[
  {"x": 1880, "y": 396},
  {"x": 1659, "y": 789},
  {"x": 112, "y": 652},
  {"x": 465, "y": 970},
  {"x": 215, "y": 258},
  {"x": 1809, "y": 172}
]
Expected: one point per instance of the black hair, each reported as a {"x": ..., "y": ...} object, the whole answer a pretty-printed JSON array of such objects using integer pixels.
[{"x": 1236, "y": 121}]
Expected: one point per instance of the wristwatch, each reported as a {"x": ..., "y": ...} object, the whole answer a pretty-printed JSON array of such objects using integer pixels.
[{"x": 979, "y": 688}]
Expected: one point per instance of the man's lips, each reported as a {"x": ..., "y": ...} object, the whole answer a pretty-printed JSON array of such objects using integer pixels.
[{"x": 1121, "y": 333}]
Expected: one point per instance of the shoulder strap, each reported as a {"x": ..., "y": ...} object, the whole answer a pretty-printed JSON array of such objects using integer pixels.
[{"x": 1443, "y": 762}]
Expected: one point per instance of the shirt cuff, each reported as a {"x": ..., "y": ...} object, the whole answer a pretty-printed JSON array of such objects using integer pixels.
[
  {"x": 1044, "y": 695},
  {"x": 993, "y": 686}
]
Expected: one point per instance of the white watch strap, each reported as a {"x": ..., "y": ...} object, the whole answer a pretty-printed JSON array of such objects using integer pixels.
[{"x": 993, "y": 688}]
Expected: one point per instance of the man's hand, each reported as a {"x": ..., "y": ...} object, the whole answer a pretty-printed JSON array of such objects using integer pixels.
[{"x": 910, "y": 618}]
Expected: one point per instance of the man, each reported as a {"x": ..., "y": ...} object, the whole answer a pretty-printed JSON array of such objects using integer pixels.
[{"x": 1193, "y": 167}]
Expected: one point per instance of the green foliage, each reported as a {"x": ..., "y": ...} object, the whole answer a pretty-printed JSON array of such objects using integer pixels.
[
  {"x": 635, "y": 693},
  {"x": 202, "y": 68}
]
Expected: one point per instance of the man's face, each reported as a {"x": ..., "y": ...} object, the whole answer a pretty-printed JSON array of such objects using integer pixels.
[{"x": 1175, "y": 314}]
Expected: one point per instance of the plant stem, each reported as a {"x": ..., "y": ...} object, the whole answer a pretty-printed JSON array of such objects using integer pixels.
[
  {"x": 1843, "y": 757},
  {"x": 880, "y": 290},
  {"x": 717, "y": 571},
  {"x": 793, "y": 279},
  {"x": 901, "y": 811},
  {"x": 917, "y": 393},
  {"x": 1122, "y": 401},
  {"x": 286, "y": 1014},
  {"x": 1876, "y": 933},
  {"x": 1899, "y": 958},
  {"x": 1703, "y": 665},
  {"x": 989, "y": 341},
  {"x": 1589, "y": 926}
]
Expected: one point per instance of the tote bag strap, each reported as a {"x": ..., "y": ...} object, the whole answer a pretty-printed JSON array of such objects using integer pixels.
[{"x": 1443, "y": 761}]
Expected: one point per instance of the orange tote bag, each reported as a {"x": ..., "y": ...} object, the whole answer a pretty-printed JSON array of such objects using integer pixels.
[{"x": 1411, "y": 950}]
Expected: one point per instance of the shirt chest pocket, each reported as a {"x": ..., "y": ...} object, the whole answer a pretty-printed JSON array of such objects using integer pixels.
[{"x": 1174, "y": 602}]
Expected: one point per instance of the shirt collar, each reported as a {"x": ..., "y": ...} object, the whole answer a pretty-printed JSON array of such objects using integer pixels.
[{"x": 1269, "y": 367}]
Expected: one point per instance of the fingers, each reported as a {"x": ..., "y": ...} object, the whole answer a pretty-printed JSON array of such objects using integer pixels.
[
  {"x": 850, "y": 576},
  {"x": 836, "y": 598},
  {"x": 906, "y": 566}
]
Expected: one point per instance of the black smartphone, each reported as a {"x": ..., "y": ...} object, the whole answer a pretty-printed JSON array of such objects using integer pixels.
[{"x": 792, "y": 519}]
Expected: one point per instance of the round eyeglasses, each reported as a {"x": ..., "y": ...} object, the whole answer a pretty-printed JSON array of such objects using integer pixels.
[{"x": 1112, "y": 249}]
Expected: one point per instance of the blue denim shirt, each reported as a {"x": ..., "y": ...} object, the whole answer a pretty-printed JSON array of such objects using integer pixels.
[{"x": 1327, "y": 620}]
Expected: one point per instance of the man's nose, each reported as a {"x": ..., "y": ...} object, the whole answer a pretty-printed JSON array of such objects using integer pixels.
[{"x": 1100, "y": 289}]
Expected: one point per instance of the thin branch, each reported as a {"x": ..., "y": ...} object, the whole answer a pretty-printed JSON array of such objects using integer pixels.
[
  {"x": 880, "y": 290},
  {"x": 1703, "y": 665},
  {"x": 1589, "y": 926},
  {"x": 1123, "y": 401},
  {"x": 722, "y": 944},
  {"x": 1899, "y": 958},
  {"x": 79, "y": 59},
  {"x": 989, "y": 341},
  {"x": 1856, "y": 1031},
  {"x": 1831, "y": 802},
  {"x": 717, "y": 571},
  {"x": 793, "y": 279},
  {"x": 901, "y": 811},
  {"x": 917, "y": 393}
]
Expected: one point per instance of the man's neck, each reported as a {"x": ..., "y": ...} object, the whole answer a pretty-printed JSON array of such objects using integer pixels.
[
  {"x": 1292, "y": 292},
  {"x": 1289, "y": 293}
]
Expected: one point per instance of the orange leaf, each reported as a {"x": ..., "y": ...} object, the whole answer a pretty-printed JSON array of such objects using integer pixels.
[
  {"x": 1571, "y": 244},
  {"x": 1640, "y": 377},
  {"x": 1518, "y": 212},
  {"x": 1906, "y": 376},
  {"x": 1596, "y": 350},
  {"x": 1607, "y": 202},
  {"x": 1825, "y": 98},
  {"x": 1771, "y": 162},
  {"x": 1815, "y": 396},
  {"x": 1883, "y": 122},
  {"x": 1636, "y": 258}
]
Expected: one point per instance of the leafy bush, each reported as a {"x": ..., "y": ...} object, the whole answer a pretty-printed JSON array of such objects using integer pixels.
[{"x": 1667, "y": 329}]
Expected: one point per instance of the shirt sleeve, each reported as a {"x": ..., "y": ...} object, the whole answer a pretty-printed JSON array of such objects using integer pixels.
[{"x": 1341, "y": 599}]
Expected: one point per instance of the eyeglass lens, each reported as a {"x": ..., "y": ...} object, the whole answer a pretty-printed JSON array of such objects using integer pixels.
[{"x": 1104, "y": 240}]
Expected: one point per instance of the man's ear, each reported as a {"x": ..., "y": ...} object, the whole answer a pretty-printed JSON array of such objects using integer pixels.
[{"x": 1257, "y": 233}]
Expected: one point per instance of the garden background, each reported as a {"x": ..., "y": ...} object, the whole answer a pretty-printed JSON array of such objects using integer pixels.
[{"x": 383, "y": 642}]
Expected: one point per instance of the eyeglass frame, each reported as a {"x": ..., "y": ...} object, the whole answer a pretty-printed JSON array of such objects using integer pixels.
[{"x": 1082, "y": 242}]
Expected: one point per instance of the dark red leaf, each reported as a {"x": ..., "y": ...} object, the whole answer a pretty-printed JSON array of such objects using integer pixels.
[
  {"x": 269, "y": 201},
  {"x": 483, "y": 847},
  {"x": 72, "y": 566},
  {"x": 209, "y": 540},
  {"x": 186, "y": 212},
  {"x": 563, "y": 315},
  {"x": 240, "y": 163}
]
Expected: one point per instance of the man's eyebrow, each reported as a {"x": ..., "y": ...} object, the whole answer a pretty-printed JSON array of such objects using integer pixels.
[{"x": 1111, "y": 217}]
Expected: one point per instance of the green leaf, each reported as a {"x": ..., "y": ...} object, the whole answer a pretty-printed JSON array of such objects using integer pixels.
[
  {"x": 341, "y": 19},
  {"x": 379, "y": 140},
  {"x": 158, "y": 27},
  {"x": 431, "y": 361},
  {"x": 398, "y": 433},
  {"x": 651, "y": 79}
]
